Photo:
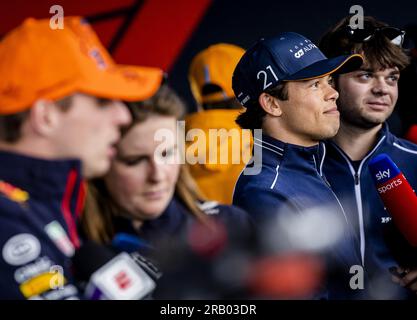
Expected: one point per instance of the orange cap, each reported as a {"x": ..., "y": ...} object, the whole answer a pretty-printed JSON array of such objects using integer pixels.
[
  {"x": 214, "y": 65},
  {"x": 37, "y": 62}
]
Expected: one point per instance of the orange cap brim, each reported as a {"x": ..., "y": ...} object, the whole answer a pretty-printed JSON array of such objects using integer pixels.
[{"x": 127, "y": 83}]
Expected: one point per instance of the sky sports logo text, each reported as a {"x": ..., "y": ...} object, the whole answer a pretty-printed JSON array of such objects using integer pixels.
[
  {"x": 383, "y": 174},
  {"x": 390, "y": 186}
]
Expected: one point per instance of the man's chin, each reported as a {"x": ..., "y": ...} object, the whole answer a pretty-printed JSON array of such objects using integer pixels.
[
  {"x": 366, "y": 123},
  {"x": 372, "y": 123},
  {"x": 330, "y": 133}
]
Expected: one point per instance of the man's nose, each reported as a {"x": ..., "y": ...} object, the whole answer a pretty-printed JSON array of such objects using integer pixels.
[
  {"x": 332, "y": 94},
  {"x": 121, "y": 114},
  {"x": 380, "y": 87}
]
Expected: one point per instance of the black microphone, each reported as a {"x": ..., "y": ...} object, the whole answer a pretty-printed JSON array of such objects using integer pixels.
[{"x": 111, "y": 276}]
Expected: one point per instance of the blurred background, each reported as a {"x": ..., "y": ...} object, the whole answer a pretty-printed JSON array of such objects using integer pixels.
[{"x": 168, "y": 33}]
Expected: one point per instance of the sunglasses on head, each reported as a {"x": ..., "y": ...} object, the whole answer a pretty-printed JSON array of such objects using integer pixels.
[{"x": 395, "y": 35}]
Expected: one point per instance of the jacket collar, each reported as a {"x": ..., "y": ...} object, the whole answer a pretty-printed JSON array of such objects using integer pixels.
[
  {"x": 384, "y": 137},
  {"x": 168, "y": 224},
  {"x": 53, "y": 182},
  {"x": 44, "y": 179},
  {"x": 273, "y": 149}
]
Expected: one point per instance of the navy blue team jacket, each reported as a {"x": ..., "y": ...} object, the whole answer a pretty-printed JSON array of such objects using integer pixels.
[
  {"x": 381, "y": 244},
  {"x": 174, "y": 221},
  {"x": 292, "y": 181},
  {"x": 39, "y": 204}
]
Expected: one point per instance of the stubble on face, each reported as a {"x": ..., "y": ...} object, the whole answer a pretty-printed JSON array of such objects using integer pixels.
[{"x": 367, "y": 97}]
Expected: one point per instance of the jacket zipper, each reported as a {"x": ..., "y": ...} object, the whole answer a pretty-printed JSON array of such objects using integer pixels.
[
  {"x": 356, "y": 176},
  {"x": 323, "y": 178},
  {"x": 358, "y": 193}
]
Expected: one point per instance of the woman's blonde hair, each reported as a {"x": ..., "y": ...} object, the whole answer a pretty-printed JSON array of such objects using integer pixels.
[{"x": 100, "y": 208}]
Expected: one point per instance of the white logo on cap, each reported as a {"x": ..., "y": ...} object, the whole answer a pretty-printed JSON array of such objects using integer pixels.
[
  {"x": 21, "y": 249},
  {"x": 245, "y": 100},
  {"x": 299, "y": 53},
  {"x": 304, "y": 50},
  {"x": 98, "y": 58}
]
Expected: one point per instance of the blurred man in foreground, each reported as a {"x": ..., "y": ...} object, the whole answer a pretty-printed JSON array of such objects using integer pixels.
[{"x": 60, "y": 114}]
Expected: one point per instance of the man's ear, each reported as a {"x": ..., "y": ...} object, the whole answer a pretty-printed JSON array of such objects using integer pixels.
[
  {"x": 270, "y": 104},
  {"x": 44, "y": 117}
]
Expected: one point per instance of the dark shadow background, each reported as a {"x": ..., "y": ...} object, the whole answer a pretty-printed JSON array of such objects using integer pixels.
[
  {"x": 169, "y": 33},
  {"x": 242, "y": 22}
]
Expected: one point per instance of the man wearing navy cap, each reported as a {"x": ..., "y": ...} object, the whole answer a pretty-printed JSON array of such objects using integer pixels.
[{"x": 286, "y": 86}]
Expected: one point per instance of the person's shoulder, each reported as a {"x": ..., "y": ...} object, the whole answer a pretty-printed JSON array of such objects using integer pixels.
[
  {"x": 229, "y": 215},
  {"x": 222, "y": 211},
  {"x": 260, "y": 191},
  {"x": 260, "y": 181},
  {"x": 213, "y": 208},
  {"x": 404, "y": 146}
]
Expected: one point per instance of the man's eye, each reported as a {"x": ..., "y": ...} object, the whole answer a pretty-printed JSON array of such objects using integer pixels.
[
  {"x": 315, "y": 84},
  {"x": 365, "y": 76},
  {"x": 331, "y": 82},
  {"x": 394, "y": 78},
  {"x": 104, "y": 103}
]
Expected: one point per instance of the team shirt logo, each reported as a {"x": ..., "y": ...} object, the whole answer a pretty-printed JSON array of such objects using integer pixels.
[
  {"x": 58, "y": 235},
  {"x": 13, "y": 193},
  {"x": 21, "y": 249}
]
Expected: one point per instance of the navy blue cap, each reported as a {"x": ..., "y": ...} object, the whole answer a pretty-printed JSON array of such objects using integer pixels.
[{"x": 288, "y": 56}]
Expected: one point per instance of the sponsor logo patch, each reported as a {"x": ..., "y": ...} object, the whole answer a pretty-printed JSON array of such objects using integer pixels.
[
  {"x": 21, "y": 249},
  {"x": 28, "y": 271},
  {"x": 13, "y": 193},
  {"x": 58, "y": 235},
  {"x": 66, "y": 292},
  {"x": 39, "y": 284}
]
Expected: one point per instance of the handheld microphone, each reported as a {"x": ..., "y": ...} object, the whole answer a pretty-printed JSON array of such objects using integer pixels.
[
  {"x": 110, "y": 276},
  {"x": 396, "y": 194}
]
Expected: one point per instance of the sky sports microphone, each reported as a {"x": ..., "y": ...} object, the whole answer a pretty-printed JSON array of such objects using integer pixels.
[
  {"x": 110, "y": 276},
  {"x": 396, "y": 194}
]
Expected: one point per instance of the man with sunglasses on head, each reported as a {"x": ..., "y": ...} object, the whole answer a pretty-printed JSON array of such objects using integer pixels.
[{"x": 367, "y": 98}]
